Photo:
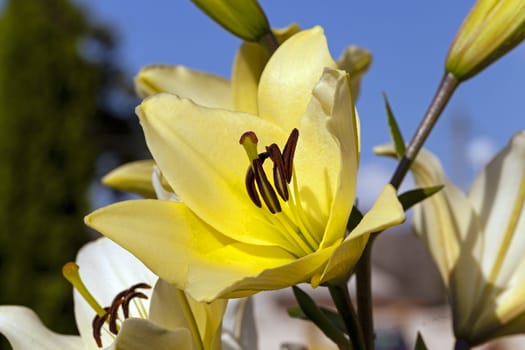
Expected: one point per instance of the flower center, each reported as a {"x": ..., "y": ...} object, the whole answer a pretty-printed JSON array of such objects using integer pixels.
[
  {"x": 281, "y": 197},
  {"x": 108, "y": 315},
  {"x": 282, "y": 170}
]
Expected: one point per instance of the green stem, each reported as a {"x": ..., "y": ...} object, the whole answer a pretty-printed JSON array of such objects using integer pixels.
[
  {"x": 364, "y": 294},
  {"x": 444, "y": 93},
  {"x": 461, "y": 345},
  {"x": 343, "y": 303},
  {"x": 316, "y": 315}
]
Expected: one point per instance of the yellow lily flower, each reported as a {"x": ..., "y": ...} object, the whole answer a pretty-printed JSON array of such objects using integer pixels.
[
  {"x": 221, "y": 240},
  {"x": 477, "y": 241}
]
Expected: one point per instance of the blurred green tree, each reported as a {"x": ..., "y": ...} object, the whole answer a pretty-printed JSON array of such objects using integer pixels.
[{"x": 55, "y": 74}]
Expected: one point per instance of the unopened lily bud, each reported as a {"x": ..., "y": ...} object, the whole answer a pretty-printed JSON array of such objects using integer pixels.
[
  {"x": 491, "y": 29},
  {"x": 243, "y": 18}
]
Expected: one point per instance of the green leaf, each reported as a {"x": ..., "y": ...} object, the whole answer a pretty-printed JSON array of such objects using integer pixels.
[
  {"x": 412, "y": 197},
  {"x": 397, "y": 138},
  {"x": 318, "y": 317},
  {"x": 420, "y": 343},
  {"x": 243, "y": 18},
  {"x": 354, "y": 219},
  {"x": 335, "y": 318}
]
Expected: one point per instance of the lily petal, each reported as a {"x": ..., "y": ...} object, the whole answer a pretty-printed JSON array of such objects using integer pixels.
[
  {"x": 203, "y": 88},
  {"x": 498, "y": 196},
  {"x": 190, "y": 254},
  {"x": 171, "y": 308},
  {"x": 291, "y": 73},
  {"x": 279, "y": 277},
  {"x": 25, "y": 331},
  {"x": 203, "y": 162},
  {"x": 247, "y": 68},
  {"x": 106, "y": 269},
  {"x": 139, "y": 334},
  {"x": 328, "y": 155},
  {"x": 386, "y": 212},
  {"x": 134, "y": 177},
  {"x": 449, "y": 227}
]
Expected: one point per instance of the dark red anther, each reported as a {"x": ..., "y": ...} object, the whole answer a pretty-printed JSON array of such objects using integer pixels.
[
  {"x": 127, "y": 299},
  {"x": 98, "y": 322},
  {"x": 250, "y": 187},
  {"x": 265, "y": 188},
  {"x": 279, "y": 175},
  {"x": 122, "y": 299},
  {"x": 289, "y": 152}
]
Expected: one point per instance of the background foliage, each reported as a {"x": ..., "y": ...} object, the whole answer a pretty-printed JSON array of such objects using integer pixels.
[{"x": 55, "y": 117}]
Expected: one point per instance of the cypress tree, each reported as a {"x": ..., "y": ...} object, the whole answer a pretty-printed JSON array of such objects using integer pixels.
[{"x": 48, "y": 102}]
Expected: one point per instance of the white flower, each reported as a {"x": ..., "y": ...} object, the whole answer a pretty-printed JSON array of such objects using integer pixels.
[
  {"x": 478, "y": 241},
  {"x": 106, "y": 269},
  {"x": 168, "y": 319}
]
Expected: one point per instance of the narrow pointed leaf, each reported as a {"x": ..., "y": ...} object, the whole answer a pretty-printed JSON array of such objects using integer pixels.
[
  {"x": 410, "y": 198},
  {"x": 314, "y": 313},
  {"x": 354, "y": 219},
  {"x": 420, "y": 343},
  {"x": 397, "y": 138},
  {"x": 334, "y": 317}
]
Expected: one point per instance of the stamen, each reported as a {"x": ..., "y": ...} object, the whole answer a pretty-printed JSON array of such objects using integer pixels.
[
  {"x": 113, "y": 314},
  {"x": 265, "y": 188},
  {"x": 250, "y": 187},
  {"x": 97, "y": 324},
  {"x": 282, "y": 170},
  {"x": 104, "y": 315},
  {"x": 70, "y": 273},
  {"x": 279, "y": 175},
  {"x": 289, "y": 152},
  {"x": 128, "y": 298},
  {"x": 110, "y": 315},
  {"x": 141, "y": 285}
]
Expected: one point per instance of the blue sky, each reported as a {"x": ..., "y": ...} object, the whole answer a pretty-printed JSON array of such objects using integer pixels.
[{"x": 409, "y": 40}]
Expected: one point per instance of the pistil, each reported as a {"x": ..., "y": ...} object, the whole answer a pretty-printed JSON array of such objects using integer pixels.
[{"x": 70, "y": 273}]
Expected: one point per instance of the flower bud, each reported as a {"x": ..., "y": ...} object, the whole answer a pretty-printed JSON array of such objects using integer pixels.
[
  {"x": 243, "y": 18},
  {"x": 491, "y": 29}
]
